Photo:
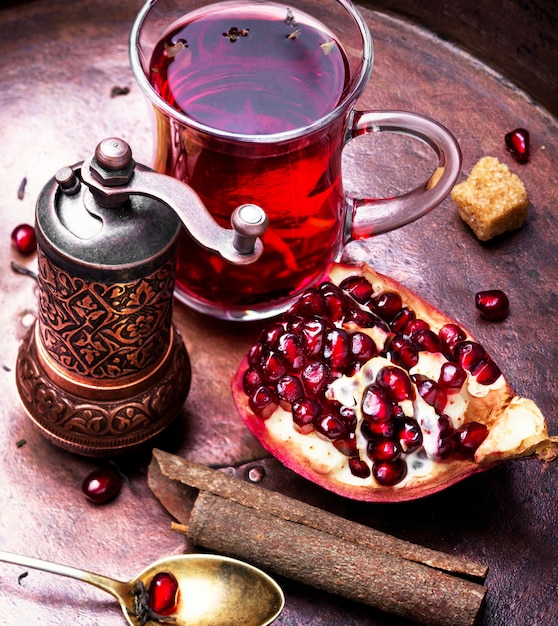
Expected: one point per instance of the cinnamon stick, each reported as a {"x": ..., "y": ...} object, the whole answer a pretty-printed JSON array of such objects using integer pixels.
[
  {"x": 335, "y": 565},
  {"x": 290, "y": 509}
]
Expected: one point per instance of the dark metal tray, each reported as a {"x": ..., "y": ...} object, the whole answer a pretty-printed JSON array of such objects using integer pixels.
[{"x": 60, "y": 61}]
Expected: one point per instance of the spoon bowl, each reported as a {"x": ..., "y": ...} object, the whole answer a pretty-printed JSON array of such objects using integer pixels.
[{"x": 214, "y": 590}]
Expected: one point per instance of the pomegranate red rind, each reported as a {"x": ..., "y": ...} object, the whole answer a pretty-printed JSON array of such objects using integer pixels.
[{"x": 362, "y": 442}]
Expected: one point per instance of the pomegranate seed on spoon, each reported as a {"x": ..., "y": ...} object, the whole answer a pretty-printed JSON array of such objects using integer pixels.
[
  {"x": 517, "y": 142},
  {"x": 163, "y": 593}
]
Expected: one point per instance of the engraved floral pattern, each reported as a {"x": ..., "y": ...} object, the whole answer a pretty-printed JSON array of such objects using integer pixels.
[
  {"x": 104, "y": 330},
  {"x": 78, "y": 424}
]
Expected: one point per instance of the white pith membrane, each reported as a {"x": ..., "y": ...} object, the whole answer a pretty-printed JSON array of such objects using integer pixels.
[{"x": 516, "y": 426}]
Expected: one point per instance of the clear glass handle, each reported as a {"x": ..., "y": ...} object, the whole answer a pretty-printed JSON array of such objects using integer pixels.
[{"x": 366, "y": 216}]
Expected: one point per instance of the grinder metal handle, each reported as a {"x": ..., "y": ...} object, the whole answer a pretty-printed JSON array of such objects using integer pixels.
[{"x": 112, "y": 177}]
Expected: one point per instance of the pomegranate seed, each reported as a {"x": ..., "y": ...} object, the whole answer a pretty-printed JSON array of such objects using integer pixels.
[
  {"x": 362, "y": 346},
  {"x": 314, "y": 377},
  {"x": 270, "y": 335},
  {"x": 446, "y": 447},
  {"x": 452, "y": 377},
  {"x": 330, "y": 426},
  {"x": 263, "y": 402},
  {"x": 492, "y": 304},
  {"x": 251, "y": 380},
  {"x": 335, "y": 302},
  {"x": 272, "y": 366},
  {"x": 387, "y": 304},
  {"x": 365, "y": 319},
  {"x": 305, "y": 414},
  {"x": 384, "y": 450},
  {"x": 289, "y": 389},
  {"x": 163, "y": 593},
  {"x": 389, "y": 474},
  {"x": 312, "y": 333},
  {"x": 102, "y": 485},
  {"x": 348, "y": 415},
  {"x": 359, "y": 288},
  {"x": 401, "y": 319},
  {"x": 377, "y": 430},
  {"x": 359, "y": 468},
  {"x": 444, "y": 424},
  {"x": 289, "y": 347},
  {"x": 309, "y": 303},
  {"x": 450, "y": 335},
  {"x": 405, "y": 350},
  {"x": 431, "y": 392},
  {"x": 488, "y": 372},
  {"x": 24, "y": 239},
  {"x": 396, "y": 382},
  {"x": 347, "y": 445},
  {"x": 255, "y": 354},
  {"x": 426, "y": 340},
  {"x": 336, "y": 349},
  {"x": 470, "y": 355},
  {"x": 469, "y": 437},
  {"x": 517, "y": 143},
  {"x": 376, "y": 405},
  {"x": 414, "y": 326},
  {"x": 409, "y": 435}
]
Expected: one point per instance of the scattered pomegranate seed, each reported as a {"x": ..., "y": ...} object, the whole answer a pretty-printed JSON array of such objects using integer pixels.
[
  {"x": 163, "y": 593},
  {"x": 493, "y": 304},
  {"x": 517, "y": 143},
  {"x": 24, "y": 239},
  {"x": 102, "y": 485}
]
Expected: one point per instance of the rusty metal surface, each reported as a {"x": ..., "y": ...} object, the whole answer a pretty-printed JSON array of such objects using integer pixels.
[{"x": 59, "y": 63}]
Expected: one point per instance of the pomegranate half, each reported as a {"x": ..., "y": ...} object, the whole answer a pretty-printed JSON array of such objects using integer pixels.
[{"x": 367, "y": 390}]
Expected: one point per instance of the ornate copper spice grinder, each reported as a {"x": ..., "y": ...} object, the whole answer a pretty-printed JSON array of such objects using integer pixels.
[{"x": 103, "y": 370}]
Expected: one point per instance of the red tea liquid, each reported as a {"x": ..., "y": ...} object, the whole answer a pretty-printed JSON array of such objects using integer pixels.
[{"x": 254, "y": 69}]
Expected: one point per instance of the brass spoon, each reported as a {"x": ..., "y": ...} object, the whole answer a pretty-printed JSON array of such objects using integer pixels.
[{"x": 214, "y": 590}]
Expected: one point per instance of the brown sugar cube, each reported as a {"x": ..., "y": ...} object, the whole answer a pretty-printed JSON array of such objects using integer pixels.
[{"x": 493, "y": 200}]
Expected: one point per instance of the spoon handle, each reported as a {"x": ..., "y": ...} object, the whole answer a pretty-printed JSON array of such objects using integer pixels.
[{"x": 114, "y": 587}]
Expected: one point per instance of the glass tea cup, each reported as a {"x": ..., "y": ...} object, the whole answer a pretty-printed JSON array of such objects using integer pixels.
[{"x": 254, "y": 102}]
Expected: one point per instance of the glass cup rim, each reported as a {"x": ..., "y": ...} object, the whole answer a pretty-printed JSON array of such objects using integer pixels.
[{"x": 351, "y": 96}]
